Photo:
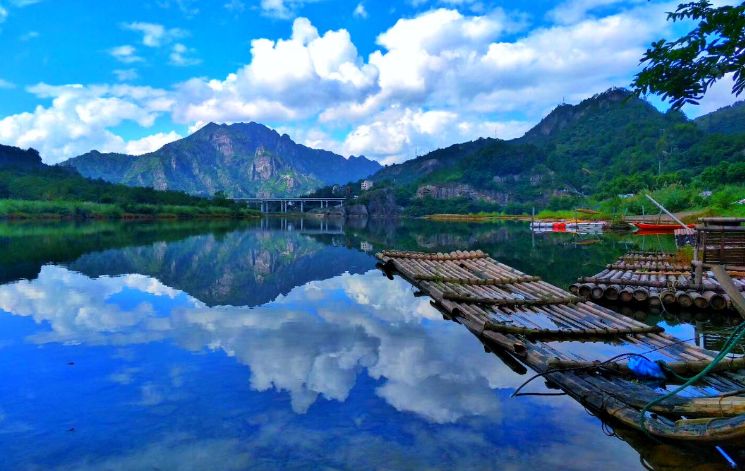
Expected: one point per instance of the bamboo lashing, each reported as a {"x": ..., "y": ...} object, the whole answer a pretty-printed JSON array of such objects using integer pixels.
[
  {"x": 526, "y": 317},
  {"x": 657, "y": 279}
]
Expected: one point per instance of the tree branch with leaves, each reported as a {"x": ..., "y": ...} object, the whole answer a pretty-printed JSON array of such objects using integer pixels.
[{"x": 682, "y": 71}]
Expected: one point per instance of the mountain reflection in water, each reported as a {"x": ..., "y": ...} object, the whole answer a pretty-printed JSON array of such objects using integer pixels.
[{"x": 234, "y": 347}]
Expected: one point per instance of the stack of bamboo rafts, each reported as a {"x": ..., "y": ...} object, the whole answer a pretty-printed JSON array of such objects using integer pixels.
[
  {"x": 656, "y": 279},
  {"x": 529, "y": 321}
]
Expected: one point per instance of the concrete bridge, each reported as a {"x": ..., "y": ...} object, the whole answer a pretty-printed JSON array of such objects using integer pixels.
[
  {"x": 314, "y": 226},
  {"x": 283, "y": 204}
]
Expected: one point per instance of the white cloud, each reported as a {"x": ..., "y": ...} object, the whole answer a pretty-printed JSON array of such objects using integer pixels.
[
  {"x": 153, "y": 34},
  {"x": 5, "y": 84},
  {"x": 125, "y": 53},
  {"x": 360, "y": 11},
  {"x": 443, "y": 66},
  {"x": 718, "y": 96},
  {"x": 436, "y": 78},
  {"x": 151, "y": 143},
  {"x": 574, "y": 11},
  {"x": 126, "y": 75},
  {"x": 286, "y": 79},
  {"x": 402, "y": 134},
  {"x": 182, "y": 56},
  {"x": 3, "y": 13},
  {"x": 283, "y": 9},
  {"x": 78, "y": 118}
]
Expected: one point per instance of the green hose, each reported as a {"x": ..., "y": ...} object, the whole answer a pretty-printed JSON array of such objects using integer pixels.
[{"x": 729, "y": 345}]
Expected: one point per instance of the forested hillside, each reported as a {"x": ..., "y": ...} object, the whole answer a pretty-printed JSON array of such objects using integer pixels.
[
  {"x": 28, "y": 188},
  {"x": 727, "y": 120},
  {"x": 613, "y": 143}
]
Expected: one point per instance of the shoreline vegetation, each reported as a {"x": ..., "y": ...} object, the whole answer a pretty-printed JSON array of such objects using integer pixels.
[
  {"x": 688, "y": 203},
  {"x": 30, "y": 189},
  {"x": 16, "y": 209}
]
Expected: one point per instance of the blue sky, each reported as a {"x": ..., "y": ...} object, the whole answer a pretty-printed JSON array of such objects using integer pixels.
[{"x": 384, "y": 79}]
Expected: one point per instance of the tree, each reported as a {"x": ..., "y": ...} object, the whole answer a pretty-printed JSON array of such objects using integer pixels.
[{"x": 681, "y": 71}]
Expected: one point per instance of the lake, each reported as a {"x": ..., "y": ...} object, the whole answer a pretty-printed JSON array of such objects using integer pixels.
[{"x": 276, "y": 344}]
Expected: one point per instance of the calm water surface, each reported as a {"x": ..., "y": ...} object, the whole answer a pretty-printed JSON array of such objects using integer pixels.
[{"x": 277, "y": 345}]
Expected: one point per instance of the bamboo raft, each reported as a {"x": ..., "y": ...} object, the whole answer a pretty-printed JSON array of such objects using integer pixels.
[
  {"x": 657, "y": 279},
  {"x": 533, "y": 323}
]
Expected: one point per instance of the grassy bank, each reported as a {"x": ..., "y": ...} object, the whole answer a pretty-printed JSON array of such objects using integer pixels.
[
  {"x": 693, "y": 203},
  {"x": 26, "y": 209}
]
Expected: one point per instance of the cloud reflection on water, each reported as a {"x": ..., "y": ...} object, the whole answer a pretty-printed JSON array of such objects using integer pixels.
[
  {"x": 313, "y": 342},
  {"x": 324, "y": 344}
]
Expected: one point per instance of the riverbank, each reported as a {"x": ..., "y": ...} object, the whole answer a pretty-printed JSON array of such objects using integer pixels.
[
  {"x": 13, "y": 209},
  {"x": 606, "y": 212}
]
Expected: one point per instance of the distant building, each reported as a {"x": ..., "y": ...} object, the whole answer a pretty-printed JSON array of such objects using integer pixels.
[
  {"x": 366, "y": 185},
  {"x": 366, "y": 246},
  {"x": 705, "y": 193},
  {"x": 626, "y": 196}
]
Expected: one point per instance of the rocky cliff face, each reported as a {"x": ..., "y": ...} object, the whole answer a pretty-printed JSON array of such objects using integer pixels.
[
  {"x": 382, "y": 204},
  {"x": 242, "y": 160},
  {"x": 460, "y": 190}
]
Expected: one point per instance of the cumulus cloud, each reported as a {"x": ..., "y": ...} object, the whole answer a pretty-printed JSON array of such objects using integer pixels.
[
  {"x": 286, "y": 79},
  {"x": 78, "y": 118},
  {"x": 182, "y": 56},
  {"x": 125, "y": 53},
  {"x": 436, "y": 78},
  {"x": 406, "y": 133},
  {"x": 153, "y": 34},
  {"x": 151, "y": 143}
]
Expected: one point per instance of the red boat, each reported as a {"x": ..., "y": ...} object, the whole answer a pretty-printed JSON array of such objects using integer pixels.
[{"x": 646, "y": 227}]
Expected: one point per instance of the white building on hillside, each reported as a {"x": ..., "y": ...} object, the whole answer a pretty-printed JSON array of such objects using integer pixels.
[{"x": 366, "y": 185}]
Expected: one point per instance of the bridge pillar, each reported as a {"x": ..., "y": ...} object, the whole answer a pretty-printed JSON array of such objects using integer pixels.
[{"x": 302, "y": 209}]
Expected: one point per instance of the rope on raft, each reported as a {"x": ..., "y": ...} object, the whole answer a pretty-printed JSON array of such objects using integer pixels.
[{"x": 729, "y": 345}]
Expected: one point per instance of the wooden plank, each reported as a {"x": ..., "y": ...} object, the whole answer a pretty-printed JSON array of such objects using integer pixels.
[
  {"x": 493, "y": 312},
  {"x": 738, "y": 301}
]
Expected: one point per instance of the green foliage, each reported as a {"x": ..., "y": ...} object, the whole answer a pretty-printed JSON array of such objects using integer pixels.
[
  {"x": 424, "y": 206},
  {"x": 727, "y": 120},
  {"x": 727, "y": 197},
  {"x": 682, "y": 70},
  {"x": 29, "y": 209},
  {"x": 43, "y": 191}
]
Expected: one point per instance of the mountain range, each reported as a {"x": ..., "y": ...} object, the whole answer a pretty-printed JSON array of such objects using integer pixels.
[
  {"x": 240, "y": 160},
  {"x": 611, "y": 143}
]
